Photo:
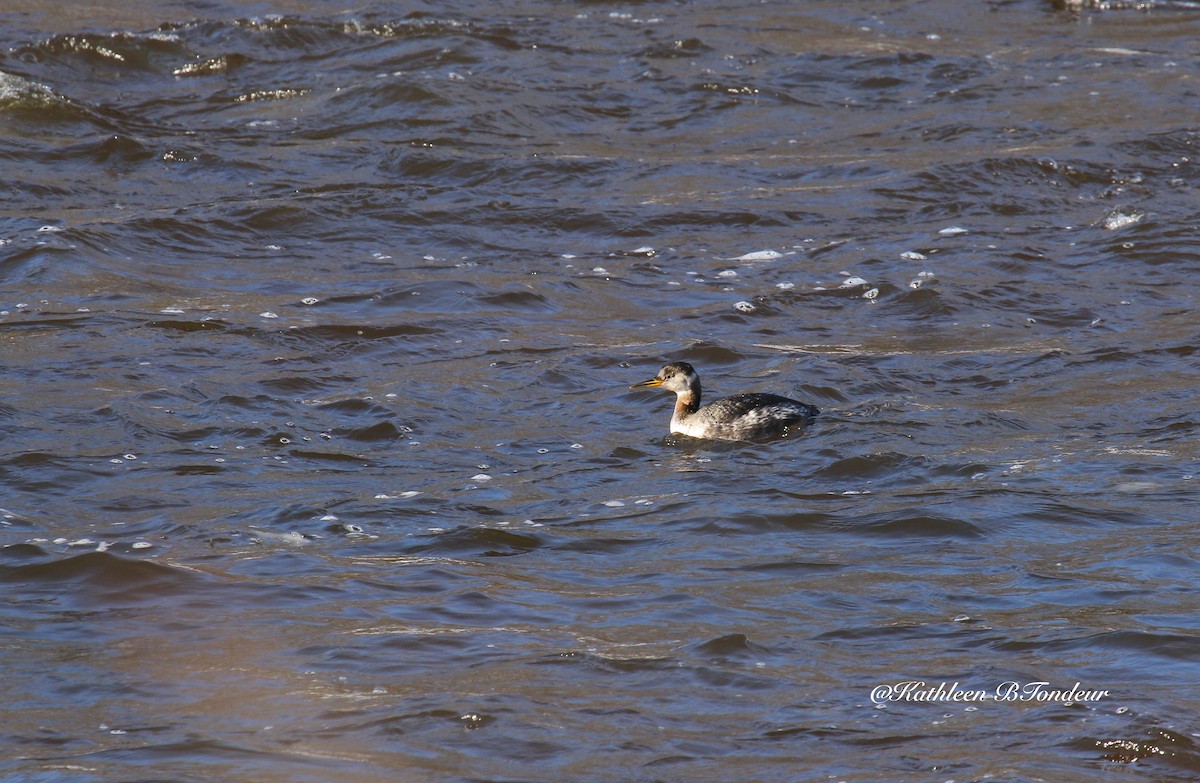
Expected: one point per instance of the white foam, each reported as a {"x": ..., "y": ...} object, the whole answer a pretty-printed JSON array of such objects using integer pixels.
[
  {"x": 760, "y": 255},
  {"x": 1118, "y": 219},
  {"x": 12, "y": 86}
]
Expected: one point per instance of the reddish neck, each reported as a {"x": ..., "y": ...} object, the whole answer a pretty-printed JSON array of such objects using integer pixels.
[{"x": 687, "y": 403}]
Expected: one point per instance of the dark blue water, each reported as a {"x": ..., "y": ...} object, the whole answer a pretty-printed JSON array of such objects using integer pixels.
[{"x": 319, "y": 460}]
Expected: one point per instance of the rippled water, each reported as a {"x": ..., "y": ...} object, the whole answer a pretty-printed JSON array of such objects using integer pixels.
[{"x": 320, "y": 461}]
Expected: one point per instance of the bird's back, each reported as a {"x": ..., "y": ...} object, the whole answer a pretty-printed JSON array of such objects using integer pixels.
[{"x": 746, "y": 417}]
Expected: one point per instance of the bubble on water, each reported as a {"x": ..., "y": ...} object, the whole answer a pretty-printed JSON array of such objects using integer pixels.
[
  {"x": 851, "y": 282},
  {"x": 614, "y": 503},
  {"x": 171, "y": 311},
  {"x": 1130, "y": 487},
  {"x": 292, "y": 537},
  {"x": 785, "y": 286},
  {"x": 481, "y": 477},
  {"x": 912, "y": 255},
  {"x": 645, "y": 250},
  {"x": 952, "y": 231},
  {"x": 760, "y": 255},
  {"x": 600, "y": 270},
  {"x": 131, "y": 456},
  {"x": 744, "y": 307},
  {"x": 1118, "y": 219},
  {"x": 268, "y": 314},
  {"x": 727, "y": 273},
  {"x": 310, "y": 300},
  {"x": 922, "y": 277},
  {"x": 140, "y": 545},
  {"x": 872, "y": 294},
  {"x": 577, "y": 445}
]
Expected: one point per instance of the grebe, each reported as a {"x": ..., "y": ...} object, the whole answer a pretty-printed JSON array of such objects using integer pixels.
[{"x": 740, "y": 417}]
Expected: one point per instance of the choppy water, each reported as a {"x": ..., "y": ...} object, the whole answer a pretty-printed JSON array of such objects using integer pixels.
[{"x": 319, "y": 461}]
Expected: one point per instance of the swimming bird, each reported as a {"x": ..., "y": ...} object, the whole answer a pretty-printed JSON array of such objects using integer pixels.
[{"x": 740, "y": 417}]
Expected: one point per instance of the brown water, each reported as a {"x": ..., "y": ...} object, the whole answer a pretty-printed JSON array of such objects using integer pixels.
[{"x": 319, "y": 461}]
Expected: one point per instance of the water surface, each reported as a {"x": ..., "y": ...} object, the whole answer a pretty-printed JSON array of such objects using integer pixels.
[{"x": 320, "y": 462}]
